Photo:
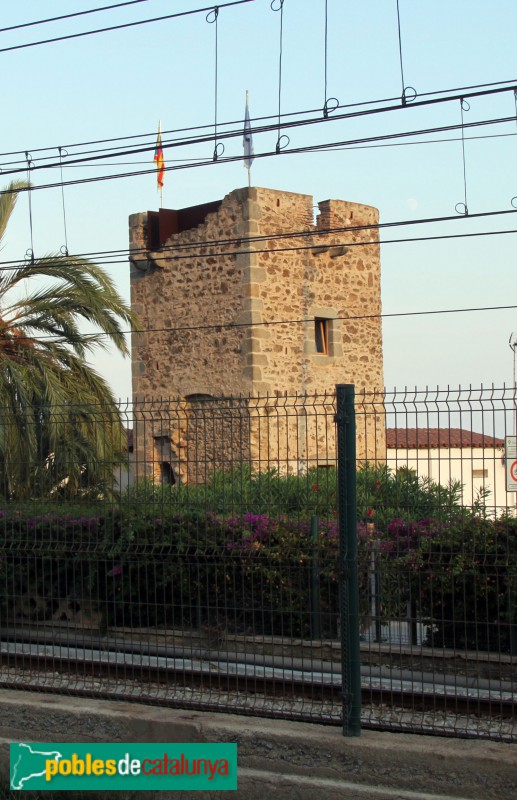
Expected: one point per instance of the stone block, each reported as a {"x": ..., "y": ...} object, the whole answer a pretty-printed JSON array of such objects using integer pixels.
[
  {"x": 257, "y": 359},
  {"x": 252, "y": 373}
]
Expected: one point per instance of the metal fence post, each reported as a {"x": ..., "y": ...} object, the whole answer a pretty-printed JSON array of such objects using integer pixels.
[
  {"x": 349, "y": 584},
  {"x": 315, "y": 581}
]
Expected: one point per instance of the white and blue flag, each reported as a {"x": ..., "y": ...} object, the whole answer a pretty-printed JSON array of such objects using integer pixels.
[{"x": 247, "y": 140}]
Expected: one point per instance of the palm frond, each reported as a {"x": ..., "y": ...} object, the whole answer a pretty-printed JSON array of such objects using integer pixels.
[
  {"x": 59, "y": 422},
  {"x": 7, "y": 203}
]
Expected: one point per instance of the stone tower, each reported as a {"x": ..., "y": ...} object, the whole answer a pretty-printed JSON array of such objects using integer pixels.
[{"x": 233, "y": 304}]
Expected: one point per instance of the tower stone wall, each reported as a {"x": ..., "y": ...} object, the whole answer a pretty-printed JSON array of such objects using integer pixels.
[{"x": 233, "y": 304}]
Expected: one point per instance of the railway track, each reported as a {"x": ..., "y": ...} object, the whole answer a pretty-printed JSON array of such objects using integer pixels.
[{"x": 211, "y": 672}]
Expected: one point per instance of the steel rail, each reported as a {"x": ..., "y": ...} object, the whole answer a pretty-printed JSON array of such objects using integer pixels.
[{"x": 211, "y": 675}]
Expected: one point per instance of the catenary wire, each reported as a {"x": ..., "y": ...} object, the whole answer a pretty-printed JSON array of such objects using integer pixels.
[
  {"x": 298, "y": 321},
  {"x": 322, "y": 149},
  {"x": 229, "y": 159},
  {"x": 283, "y": 322},
  {"x": 55, "y": 39},
  {"x": 457, "y": 91},
  {"x": 237, "y": 132},
  {"x": 305, "y": 320},
  {"x": 69, "y": 16},
  {"x": 103, "y": 255},
  {"x": 373, "y": 242},
  {"x": 314, "y": 233},
  {"x": 223, "y": 325},
  {"x": 99, "y": 255}
]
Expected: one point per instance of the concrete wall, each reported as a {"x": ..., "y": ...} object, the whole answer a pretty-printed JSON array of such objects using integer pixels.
[{"x": 276, "y": 758}]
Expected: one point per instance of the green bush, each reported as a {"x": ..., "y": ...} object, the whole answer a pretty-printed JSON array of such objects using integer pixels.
[
  {"x": 241, "y": 491},
  {"x": 239, "y": 554},
  {"x": 382, "y": 494},
  {"x": 247, "y": 574},
  {"x": 464, "y": 582}
]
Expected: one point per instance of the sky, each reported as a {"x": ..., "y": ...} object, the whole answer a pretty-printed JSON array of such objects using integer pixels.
[{"x": 121, "y": 83}]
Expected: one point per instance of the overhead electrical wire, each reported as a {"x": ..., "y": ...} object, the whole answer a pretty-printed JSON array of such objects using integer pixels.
[
  {"x": 347, "y": 244},
  {"x": 271, "y": 323},
  {"x": 460, "y": 91},
  {"x": 302, "y": 248},
  {"x": 307, "y": 233},
  {"x": 500, "y": 86},
  {"x": 229, "y": 159},
  {"x": 122, "y": 25},
  {"x": 322, "y": 149},
  {"x": 223, "y": 325},
  {"x": 73, "y": 14},
  {"x": 465, "y": 93},
  {"x": 152, "y": 134},
  {"x": 120, "y": 256},
  {"x": 238, "y": 132},
  {"x": 10, "y": 266},
  {"x": 76, "y": 162},
  {"x": 306, "y": 320},
  {"x": 412, "y": 144}
]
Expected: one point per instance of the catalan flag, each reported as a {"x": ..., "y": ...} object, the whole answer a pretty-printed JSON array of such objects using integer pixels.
[{"x": 158, "y": 158}]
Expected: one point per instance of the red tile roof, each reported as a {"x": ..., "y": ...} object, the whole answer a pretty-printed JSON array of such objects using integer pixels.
[{"x": 431, "y": 438}]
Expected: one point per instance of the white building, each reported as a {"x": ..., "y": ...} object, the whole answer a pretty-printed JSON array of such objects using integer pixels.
[{"x": 476, "y": 460}]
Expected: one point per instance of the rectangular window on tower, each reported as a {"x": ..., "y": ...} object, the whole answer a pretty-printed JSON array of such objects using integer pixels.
[{"x": 321, "y": 335}]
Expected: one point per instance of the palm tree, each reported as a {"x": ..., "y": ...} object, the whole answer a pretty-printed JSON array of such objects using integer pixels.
[{"x": 60, "y": 428}]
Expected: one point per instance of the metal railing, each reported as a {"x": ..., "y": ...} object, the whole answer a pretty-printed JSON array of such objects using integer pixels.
[
  {"x": 208, "y": 562},
  {"x": 438, "y": 533}
]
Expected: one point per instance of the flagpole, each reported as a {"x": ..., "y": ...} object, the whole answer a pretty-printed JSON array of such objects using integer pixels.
[{"x": 161, "y": 187}]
